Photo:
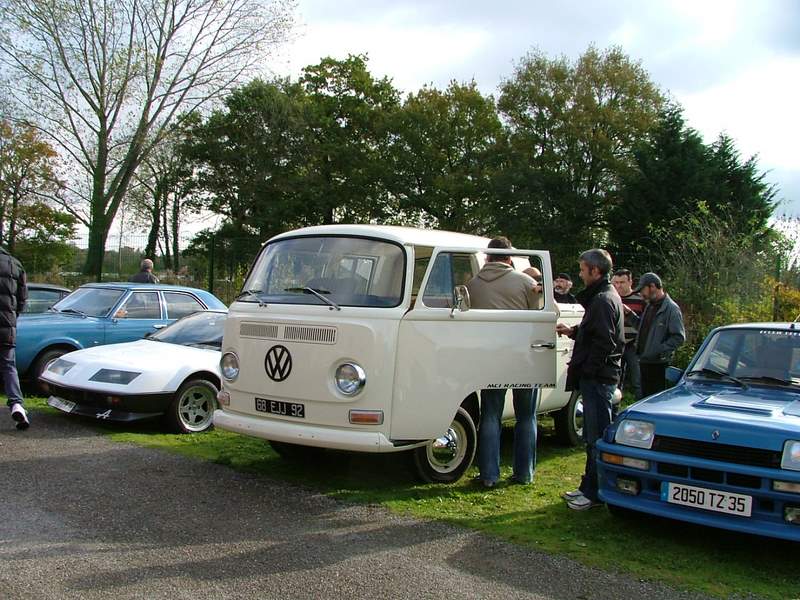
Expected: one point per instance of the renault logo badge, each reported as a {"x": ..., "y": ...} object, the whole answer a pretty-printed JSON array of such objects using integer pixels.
[
  {"x": 715, "y": 434},
  {"x": 278, "y": 363}
]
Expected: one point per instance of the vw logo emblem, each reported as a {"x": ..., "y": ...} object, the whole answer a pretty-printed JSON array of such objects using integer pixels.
[
  {"x": 278, "y": 363},
  {"x": 715, "y": 434}
]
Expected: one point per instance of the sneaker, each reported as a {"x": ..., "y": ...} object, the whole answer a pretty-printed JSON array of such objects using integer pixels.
[
  {"x": 20, "y": 415},
  {"x": 582, "y": 503},
  {"x": 572, "y": 495}
]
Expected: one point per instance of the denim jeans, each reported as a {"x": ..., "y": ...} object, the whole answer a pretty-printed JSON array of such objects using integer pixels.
[
  {"x": 596, "y": 398},
  {"x": 524, "y": 461},
  {"x": 630, "y": 369},
  {"x": 8, "y": 368}
]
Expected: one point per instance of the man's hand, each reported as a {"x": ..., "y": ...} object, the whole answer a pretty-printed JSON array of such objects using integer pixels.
[{"x": 562, "y": 329}]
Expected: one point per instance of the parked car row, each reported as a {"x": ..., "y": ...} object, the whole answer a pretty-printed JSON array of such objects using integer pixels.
[{"x": 362, "y": 338}]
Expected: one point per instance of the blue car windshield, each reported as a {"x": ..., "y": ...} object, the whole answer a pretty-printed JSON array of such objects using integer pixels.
[
  {"x": 198, "y": 329},
  {"x": 764, "y": 356},
  {"x": 92, "y": 302}
]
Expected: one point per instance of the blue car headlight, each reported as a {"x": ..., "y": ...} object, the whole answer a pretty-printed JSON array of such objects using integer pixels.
[
  {"x": 639, "y": 434},
  {"x": 791, "y": 455},
  {"x": 114, "y": 376},
  {"x": 60, "y": 366}
]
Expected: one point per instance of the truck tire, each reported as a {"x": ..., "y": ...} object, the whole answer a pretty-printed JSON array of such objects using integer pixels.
[
  {"x": 446, "y": 458},
  {"x": 569, "y": 421}
]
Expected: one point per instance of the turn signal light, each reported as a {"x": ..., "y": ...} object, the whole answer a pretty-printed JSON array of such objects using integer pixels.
[
  {"x": 366, "y": 417},
  {"x": 224, "y": 398},
  {"x": 625, "y": 461}
]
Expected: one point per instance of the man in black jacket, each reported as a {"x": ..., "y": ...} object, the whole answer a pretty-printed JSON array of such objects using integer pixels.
[
  {"x": 595, "y": 365},
  {"x": 13, "y": 294}
]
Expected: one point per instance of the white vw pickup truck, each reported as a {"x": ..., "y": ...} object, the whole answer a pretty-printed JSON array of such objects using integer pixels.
[{"x": 361, "y": 337}]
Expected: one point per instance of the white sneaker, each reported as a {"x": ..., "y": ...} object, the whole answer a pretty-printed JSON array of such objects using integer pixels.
[
  {"x": 20, "y": 415},
  {"x": 568, "y": 496}
]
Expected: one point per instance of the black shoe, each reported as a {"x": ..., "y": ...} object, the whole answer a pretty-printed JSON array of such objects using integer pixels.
[
  {"x": 515, "y": 481},
  {"x": 485, "y": 483}
]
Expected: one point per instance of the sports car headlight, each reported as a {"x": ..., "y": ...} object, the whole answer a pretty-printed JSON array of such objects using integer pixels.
[
  {"x": 350, "y": 378},
  {"x": 114, "y": 376},
  {"x": 60, "y": 366},
  {"x": 229, "y": 365},
  {"x": 791, "y": 455},
  {"x": 639, "y": 434}
]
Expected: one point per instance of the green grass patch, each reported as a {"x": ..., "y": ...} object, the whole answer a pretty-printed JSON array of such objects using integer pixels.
[{"x": 695, "y": 558}]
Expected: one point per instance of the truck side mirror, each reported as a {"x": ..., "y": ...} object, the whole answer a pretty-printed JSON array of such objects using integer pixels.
[{"x": 460, "y": 299}]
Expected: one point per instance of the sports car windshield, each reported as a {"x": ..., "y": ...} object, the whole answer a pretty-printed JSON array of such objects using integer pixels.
[
  {"x": 199, "y": 329},
  {"x": 88, "y": 301},
  {"x": 331, "y": 271},
  {"x": 747, "y": 356}
]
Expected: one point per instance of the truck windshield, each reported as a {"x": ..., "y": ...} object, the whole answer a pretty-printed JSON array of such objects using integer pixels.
[
  {"x": 329, "y": 271},
  {"x": 762, "y": 356}
]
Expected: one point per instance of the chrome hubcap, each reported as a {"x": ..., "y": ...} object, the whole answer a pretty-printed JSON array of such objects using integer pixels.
[
  {"x": 445, "y": 453},
  {"x": 196, "y": 407},
  {"x": 577, "y": 418}
]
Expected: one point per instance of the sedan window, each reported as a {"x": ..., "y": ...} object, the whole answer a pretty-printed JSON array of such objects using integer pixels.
[
  {"x": 141, "y": 305},
  {"x": 179, "y": 305},
  {"x": 89, "y": 301}
]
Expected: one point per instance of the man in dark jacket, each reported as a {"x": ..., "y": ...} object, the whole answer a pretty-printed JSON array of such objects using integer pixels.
[
  {"x": 595, "y": 365},
  {"x": 145, "y": 274},
  {"x": 661, "y": 332},
  {"x": 13, "y": 294}
]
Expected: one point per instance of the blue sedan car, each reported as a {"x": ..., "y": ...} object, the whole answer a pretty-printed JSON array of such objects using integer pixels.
[
  {"x": 103, "y": 313},
  {"x": 722, "y": 447}
]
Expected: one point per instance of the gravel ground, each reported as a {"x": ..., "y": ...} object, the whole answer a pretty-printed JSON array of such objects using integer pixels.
[{"x": 84, "y": 517}]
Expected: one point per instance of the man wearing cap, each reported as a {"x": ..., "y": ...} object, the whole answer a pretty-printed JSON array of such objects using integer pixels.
[
  {"x": 561, "y": 286},
  {"x": 661, "y": 332}
]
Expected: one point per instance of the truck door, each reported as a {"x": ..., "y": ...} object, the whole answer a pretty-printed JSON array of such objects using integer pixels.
[{"x": 445, "y": 354}]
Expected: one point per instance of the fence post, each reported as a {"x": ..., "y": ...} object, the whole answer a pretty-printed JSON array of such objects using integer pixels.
[{"x": 211, "y": 264}]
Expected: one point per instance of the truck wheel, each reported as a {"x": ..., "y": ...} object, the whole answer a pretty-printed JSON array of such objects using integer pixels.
[
  {"x": 296, "y": 452},
  {"x": 447, "y": 458},
  {"x": 569, "y": 421}
]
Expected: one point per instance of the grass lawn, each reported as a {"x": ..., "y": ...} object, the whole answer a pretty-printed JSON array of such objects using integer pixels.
[{"x": 695, "y": 558}]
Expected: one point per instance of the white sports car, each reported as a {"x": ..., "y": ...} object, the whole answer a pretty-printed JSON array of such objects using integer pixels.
[{"x": 174, "y": 373}]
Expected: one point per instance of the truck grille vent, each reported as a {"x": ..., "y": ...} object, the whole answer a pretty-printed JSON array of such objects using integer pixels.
[
  {"x": 259, "y": 330},
  {"x": 311, "y": 334},
  {"x": 740, "y": 455}
]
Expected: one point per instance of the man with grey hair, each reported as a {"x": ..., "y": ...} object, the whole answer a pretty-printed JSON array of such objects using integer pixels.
[
  {"x": 595, "y": 365},
  {"x": 145, "y": 274}
]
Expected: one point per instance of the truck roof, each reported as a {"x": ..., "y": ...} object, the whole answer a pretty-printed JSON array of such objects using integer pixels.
[{"x": 401, "y": 235}]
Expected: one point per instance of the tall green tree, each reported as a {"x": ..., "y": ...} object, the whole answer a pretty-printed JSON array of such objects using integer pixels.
[
  {"x": 573, "y": 126},
  {"x": 445, "y": 157}
]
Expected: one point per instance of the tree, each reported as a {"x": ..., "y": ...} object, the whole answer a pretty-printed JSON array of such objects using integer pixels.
[
  {"x": 445, "y": 155},
  {"x": 573, "y": 127},
  {"x": 103, "y": 81},
  {"x": 27, "y": 173}
]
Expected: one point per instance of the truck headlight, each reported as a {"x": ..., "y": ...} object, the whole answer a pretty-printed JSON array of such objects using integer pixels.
[
  {"x": 229, "y": 365},
  {"x": 350, "y": 378},
  {"x": 639, "y": 434},
  {"x": 791, "y": 455}
]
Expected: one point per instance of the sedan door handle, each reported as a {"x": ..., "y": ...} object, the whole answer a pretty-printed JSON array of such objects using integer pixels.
[
  {"x": 549, "y": 345},
  {"x": 159, "y": 326}
]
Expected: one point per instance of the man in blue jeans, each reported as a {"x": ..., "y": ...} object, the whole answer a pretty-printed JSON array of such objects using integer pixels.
[
  {"x": 595, "y": 365},
  {"x": 13, "y": 295},
  {"x": 498, "y": 286}
]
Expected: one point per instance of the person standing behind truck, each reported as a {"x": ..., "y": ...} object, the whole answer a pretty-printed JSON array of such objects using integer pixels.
[
  {"x": 633, "y": 305},
  {"x": 13, "y": 295},
  {"x": 596, "y": 363},
  {"x": 498, "y": 286}
]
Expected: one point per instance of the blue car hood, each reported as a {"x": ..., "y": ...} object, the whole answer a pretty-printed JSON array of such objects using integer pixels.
[
  {"x": 758, "y": 416},
  {"x": 56, "y": 320}
]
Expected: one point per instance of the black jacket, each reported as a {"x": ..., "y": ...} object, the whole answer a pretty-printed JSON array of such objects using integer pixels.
[
  {"x": 600, "y": 337},
  {"x": 13, "y": 295},
  {"x": 144, "y": 277}
]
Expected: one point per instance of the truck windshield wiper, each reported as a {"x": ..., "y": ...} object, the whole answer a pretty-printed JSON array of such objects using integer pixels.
[
  {"x": 74, "y": 311},
  {"x": 317, "y": 293},
  {"x": 254, "y": 294},
  {"x": 720, "y": 374}
]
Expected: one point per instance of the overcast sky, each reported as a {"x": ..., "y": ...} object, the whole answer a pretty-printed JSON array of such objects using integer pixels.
[{"x": 733, "y": 65}]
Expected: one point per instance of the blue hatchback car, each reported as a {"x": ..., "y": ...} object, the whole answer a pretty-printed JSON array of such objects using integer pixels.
[
  {"x": 722, "y": 447},
  {"x": 103, "y": 313}
]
